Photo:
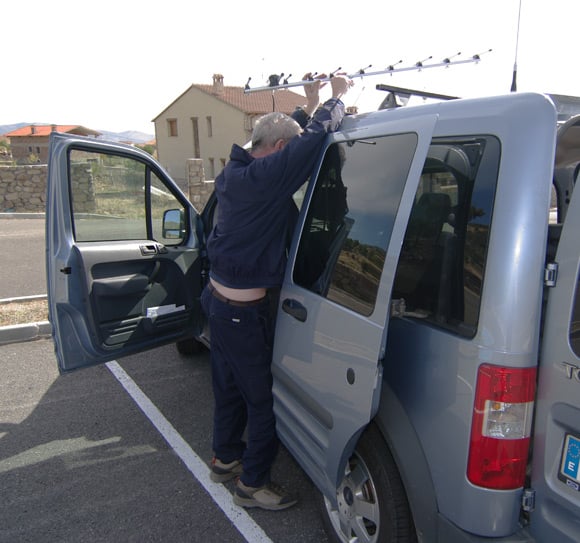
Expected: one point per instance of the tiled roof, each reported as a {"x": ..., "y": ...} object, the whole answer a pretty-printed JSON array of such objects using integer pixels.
[
  {"x": 35, "y": 130},
  {"x": 283, "y": 100}
]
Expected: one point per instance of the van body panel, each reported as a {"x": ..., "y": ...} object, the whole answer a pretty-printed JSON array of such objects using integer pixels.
[{"x": 555, "y": 475}]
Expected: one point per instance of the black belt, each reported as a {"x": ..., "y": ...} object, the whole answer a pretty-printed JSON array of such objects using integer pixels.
[{"x": 222, "y": 298}]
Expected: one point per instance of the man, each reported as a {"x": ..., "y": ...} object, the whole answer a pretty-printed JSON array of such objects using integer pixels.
[{"x": 247, "y": 252}]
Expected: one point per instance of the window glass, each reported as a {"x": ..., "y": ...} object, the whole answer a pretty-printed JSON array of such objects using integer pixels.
[
  {"x": 350, "y": 218},
  {"x": 117, "y": 198},
  {"x": 442, "y": 261},
  {"x": 165, "y": 230},
  {"x": 575, "y": 322}
]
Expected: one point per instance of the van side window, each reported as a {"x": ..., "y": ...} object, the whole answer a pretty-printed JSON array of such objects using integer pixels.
[
  {"x": 441, "y": 267},
  {"x": 350, "y": 219}
]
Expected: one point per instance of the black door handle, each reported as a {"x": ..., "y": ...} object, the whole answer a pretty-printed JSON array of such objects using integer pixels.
[{"x": 294, "y": 308}]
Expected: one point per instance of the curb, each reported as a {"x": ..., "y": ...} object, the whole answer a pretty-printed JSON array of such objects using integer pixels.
[
  {"x": 24, "y": 332},
  {"x": 25, "y": 215}
]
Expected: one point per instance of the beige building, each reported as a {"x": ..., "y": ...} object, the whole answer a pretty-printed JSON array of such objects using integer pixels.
[{"x": 206, "y": 120}]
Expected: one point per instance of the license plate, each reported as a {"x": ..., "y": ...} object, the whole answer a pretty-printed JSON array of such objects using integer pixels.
[{"x": 570, "y": 466}]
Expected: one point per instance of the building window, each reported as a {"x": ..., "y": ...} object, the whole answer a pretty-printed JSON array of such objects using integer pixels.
[
  {"x": 172, "y": 127},
  {"x": 211, "y": 168},
  {"x": 38, "y": 150},
  {"x": 195, "y": 128},
  {"x": 209, "y": 127},
  {"x": 30, "y": 148}
]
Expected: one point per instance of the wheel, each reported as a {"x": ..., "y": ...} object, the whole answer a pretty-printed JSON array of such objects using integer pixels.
[
  {"x": 189, "y": 347},
  {"x": 372, "y": 504}
]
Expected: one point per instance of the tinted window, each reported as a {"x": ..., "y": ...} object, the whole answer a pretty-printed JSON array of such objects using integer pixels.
[
  {"x": 117, "y": 198},
  {"x": 575, "y": 322},
  {"x": 441, "y": 266},
  {"x": 350, "y": 218}
]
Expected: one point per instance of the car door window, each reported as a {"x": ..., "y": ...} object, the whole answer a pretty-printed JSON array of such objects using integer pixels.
[
  {"x": 118, "y": 198},
  {"x": 350, "y": 218}
]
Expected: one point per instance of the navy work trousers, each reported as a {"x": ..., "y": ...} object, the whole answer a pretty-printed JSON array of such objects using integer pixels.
[{"x": 241, "y": 358}]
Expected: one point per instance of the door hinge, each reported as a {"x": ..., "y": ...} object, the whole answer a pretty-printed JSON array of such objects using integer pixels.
[
  {"x": 529, "y": 500},
  {"x": 551, "y": 274}
]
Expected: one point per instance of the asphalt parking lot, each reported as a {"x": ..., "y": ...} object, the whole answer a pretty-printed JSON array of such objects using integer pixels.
[
  {"x": 119, "y": 452},
  {"x": 22, "y": 269}
]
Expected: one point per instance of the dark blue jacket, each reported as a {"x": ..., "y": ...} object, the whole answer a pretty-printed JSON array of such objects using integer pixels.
[{"x": 256, "y": 213}]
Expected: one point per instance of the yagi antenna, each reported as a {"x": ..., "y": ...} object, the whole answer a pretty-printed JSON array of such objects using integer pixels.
[
  {"x": 420, "y": 63},
  {"x": 447, "y": 60},
  {"x": 274, "y": 80}
]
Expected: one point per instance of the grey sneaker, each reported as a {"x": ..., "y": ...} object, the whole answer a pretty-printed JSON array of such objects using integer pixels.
[
  {"x": 270, "y": 496},
  {"x": 220, "y": 472}
]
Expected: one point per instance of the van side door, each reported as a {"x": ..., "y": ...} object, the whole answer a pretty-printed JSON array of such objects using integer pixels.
[{"x": 335, "y": 300}]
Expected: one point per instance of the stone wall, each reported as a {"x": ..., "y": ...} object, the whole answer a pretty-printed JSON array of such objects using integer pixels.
[
  {"x": 23, "y": 188},
  {"x": 198, "y": 189}
]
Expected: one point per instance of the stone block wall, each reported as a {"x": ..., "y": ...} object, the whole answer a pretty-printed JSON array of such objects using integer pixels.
[
  {"x": 23, "y": 188},
  {"x": 83, "y": 188},
  {"x": 198, "y": 189}
]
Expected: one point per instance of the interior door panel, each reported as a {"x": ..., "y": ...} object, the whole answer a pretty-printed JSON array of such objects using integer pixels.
[{"x": 134, "y": 296}]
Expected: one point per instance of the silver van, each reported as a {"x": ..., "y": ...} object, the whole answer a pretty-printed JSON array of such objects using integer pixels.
[{"x": 427, "y": 353}]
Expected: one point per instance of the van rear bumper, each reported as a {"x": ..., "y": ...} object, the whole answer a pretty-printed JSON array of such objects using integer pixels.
[{"x": 449, "y": 533}]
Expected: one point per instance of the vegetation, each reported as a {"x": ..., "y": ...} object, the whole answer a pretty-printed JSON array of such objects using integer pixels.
[{"x": 23, "y": 312}]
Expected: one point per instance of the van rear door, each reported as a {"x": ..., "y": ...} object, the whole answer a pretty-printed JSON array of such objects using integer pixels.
[{"x": 556, "y": 447}]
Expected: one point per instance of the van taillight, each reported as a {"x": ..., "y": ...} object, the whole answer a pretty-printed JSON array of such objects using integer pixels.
[{"x": 501, "y": 425}]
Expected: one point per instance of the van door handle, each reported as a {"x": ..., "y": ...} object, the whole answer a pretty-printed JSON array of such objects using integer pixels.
[{"x": 294, "y": 308}]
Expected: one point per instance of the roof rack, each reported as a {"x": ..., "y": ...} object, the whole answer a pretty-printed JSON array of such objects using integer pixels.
[{"x": 390, "y": 102}]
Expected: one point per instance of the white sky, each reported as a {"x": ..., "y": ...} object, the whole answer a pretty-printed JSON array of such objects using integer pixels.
[{"x": 115, "y": 65}]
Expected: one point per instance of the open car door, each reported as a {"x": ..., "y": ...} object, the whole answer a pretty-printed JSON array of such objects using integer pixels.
[{"x": 123, "y": 256}]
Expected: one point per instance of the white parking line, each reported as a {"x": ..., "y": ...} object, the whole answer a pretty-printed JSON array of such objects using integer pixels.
[{"x": 221, "y": 496}]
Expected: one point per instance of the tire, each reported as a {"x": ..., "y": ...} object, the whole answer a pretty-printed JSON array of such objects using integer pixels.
[
  {"x": 372, "y": 504},
  {"x": 189, "y": 347}
]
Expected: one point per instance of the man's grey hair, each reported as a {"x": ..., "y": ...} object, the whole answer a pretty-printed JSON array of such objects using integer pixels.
[{"x": 273, "y": 127}]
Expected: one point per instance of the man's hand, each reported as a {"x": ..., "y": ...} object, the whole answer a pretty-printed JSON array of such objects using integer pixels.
[
  {"x": 312, "y": 91},
  {"x": 340, "y": 84}
]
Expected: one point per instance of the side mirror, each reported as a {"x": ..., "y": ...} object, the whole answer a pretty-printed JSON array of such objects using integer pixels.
[{"x": 173, "y": 224}]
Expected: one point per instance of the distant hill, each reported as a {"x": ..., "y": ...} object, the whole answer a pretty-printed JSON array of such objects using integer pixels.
[
  {"x": 129, "y": 136},
  {"x": 4, "y": 128}
]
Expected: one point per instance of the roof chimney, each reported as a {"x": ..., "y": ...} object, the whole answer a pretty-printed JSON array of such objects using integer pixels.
[
  {"x": 32, "y": 129},
  {"x": 218, "y": 84},
  {"x": 53, "y": 127}
]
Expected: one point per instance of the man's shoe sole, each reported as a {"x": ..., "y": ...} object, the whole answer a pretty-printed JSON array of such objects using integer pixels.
[
  {"x": 251, "y": 502},
  {"x": 222, "y": 477}
]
